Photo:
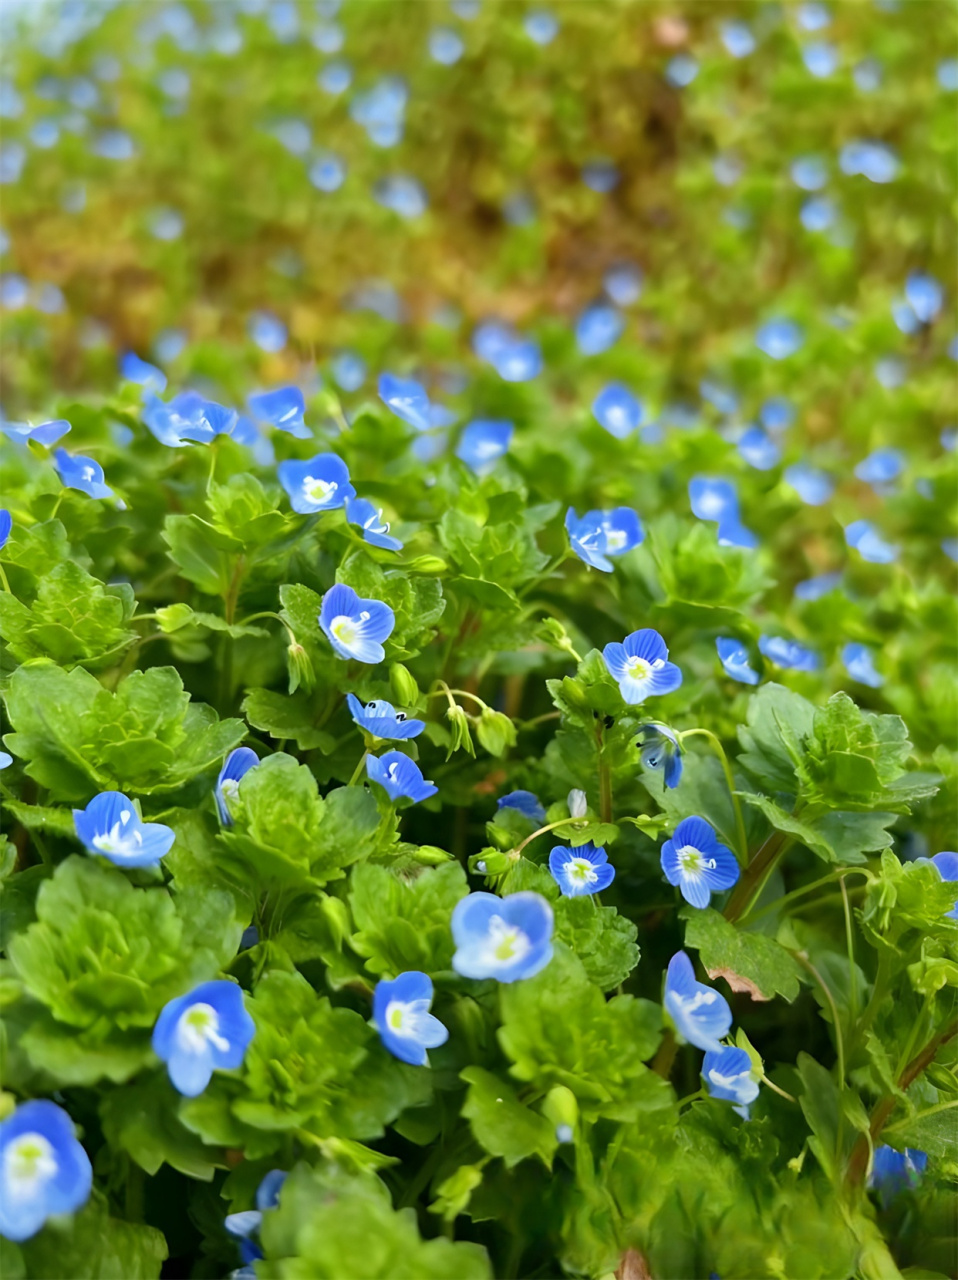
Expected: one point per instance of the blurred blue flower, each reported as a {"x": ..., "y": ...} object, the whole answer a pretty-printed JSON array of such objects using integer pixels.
[
  {"x": 860, "y": 664},
  {"x": 600, "y": 175},
  {"x": 660, "y": 752},
  {"x": 381, "y": 719},
  {"x": 728, "y": 168},
  {"x": 168, "y": 344},
  {"x": 789, "y": 654},
  {"x": 526, "y": 803},
  {"x": 890, "y": 372},
  {"x": 863, "y": 537},
  {"x": 381, "y": 110},
  {"x": 950, "y": 548},
  {"x": 174, "y": 82},
  {"x": 737, "y": 38},
  {"x": 400, "y": 777},
  {"x": 209, "y": 420},
  {"x": 246, "y": 1224},
  {"x": 327, "y": 172},
  {"x": 895, "y": 1171},
  {"x": 815, "y": 588},
  {"x": 867, "y": 75},
  {"x": 295, "y": 135},
  {"x": 872, "y": 160},
  {"x": 697, "y": 862},
  {"x": 283, "y": 408},
  {"x": 727, "y": 1073},
  {"x": 733, "y": 656},
  {"x": 207, "y": 1029},
  {"x": 355, "y": 627},
  {"x": 813, "y": 17},
  {"x": 445, "y": 46},
  {"x": 335, "y": 78},
  {"x": 110, "y": 825},
  {"x": 328, "y": 37},
  {"x": 779, "y": 338},
  {"x": 503, "y": 938},
  {"x": 402, "y": 1017},
  {"x": 370, "y": 519},
  {"x": 681, "y": 70},
  {"x": 47, "y": 433},
  {"x": 616, "y": 409},
  {"x": 44, "y": 1171},
  {"x": 11, "y": 104},
  {"x": 812, "y": 485},
  {"x": 818, "y": 214},
  {"x": 623, "y": 284},
  {"x": 717, "y": 500},
  {"x": 483, "y": 442},
  {"x": 519, "y": 209},
  {"x": 541, "y": 26},
  {"x": 700, "y": 1014},
  {"x": 349, "y": 371},
  {"x": 318, "y": 484},
  {"x": 758, "y": 450},
  {"x": 600, "y": 534},
  {"x": 14, "y": 291},
  {"x": 114, "y": 144},
  {"x": 133, "y": 369},
  {"x": 235, "y": 767},
  {"x": 777, "y": 414},
  {"x": 640, "y": 666},
  {"x": 467, "y": 10},
  {"x": 402, "y": 194},
  {"x": 45, "y": 133},
  {"x": 165, "y": 224},
  {"x": 81, "y": 472},
  {"x": 13, "y": 156},
  {"x": 267, "y": 331},
  {"x": 407, "y": 399},
  {"x": 820, "y": 58},
  {"x": 49, "y": 299},
  {"x": 283, "y": 18},
  {"x": 946, "y": 864},
  {"x": 519, "y": 360},
  {"x": 881, "y": 466},
  {"x": 723, "y": 399},
  {"x": 947, "y": 74},
  {"x": 580, "y": 870},
  {"x": 925, "y": 296},
  {"x": 598, "y": 328},
  {"x": 6, "y": 525}
]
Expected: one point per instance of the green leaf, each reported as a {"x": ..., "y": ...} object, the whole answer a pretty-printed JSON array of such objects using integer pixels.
[
  {"x": 141, "y": 1119},
  {"x": 93, "y": 1246},
  {"x": 286, "y": 717},
  {"x": 403, "y": 922},
  {"x": 495, "y": 732},
  {"x": 502, "y": 1124},
  {"x": 845, "y": 838},
  {"x": 603, "y": 939},
  {"x": 73, "y": 619},
  {"x": 778, "y": 724},
  {"x": 203, "y": 553},
  {"x": 750, "y": 962}
]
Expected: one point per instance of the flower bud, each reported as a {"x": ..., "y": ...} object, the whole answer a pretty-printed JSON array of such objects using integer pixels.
[
  {"x": 300, "y": 667},
  {"x": 562, "y": 1108},
  {"x": 577, "y": 803},
  {"x": 404, "y": 687}
]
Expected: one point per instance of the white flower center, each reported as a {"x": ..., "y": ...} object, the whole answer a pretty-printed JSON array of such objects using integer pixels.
[
  {"x": 724, "y": 1081},
  {"x": 28, "y": 1163},
  {"x": 319, "y": 490},
  {"x": 118, "y": 840},
  {"x": 614, "y": 539},
  {"x": 405, "y": 1017},
  {"x": 505, "y": 942},
  {"x": 199, "y": 1026},
  {"x": 344, "y": 629},
  {"x": 88, "y": 473},
  {"x": 581, "y": 871},
  {"x": 711, "y": 504},
  {"x": 692, "y": 862},
  {"x": 640, "y": 668},
  {"x": 376, "y": 524},
  {"x": 692, "y": 1004}
]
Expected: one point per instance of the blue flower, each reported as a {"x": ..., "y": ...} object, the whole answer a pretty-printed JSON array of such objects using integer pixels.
[
  {"x": 812, "y": 485},
  {"x": 524, "y": 802},
  {"x": 860, "y": 665},
  {"x": 327, "y": 172},
  {"x": 133, "y": 369},
  {"x": 737, "y": 38},
  {"x": 81, "y": 472},
  {"x": 349, "y": 371},
  {"x": 815, "y": 588},
  {"x": 713, "y": 499},
  {"x": 111, "y": 826},
  {"x": 821, "y": 58},
  {"x": 779, "y": 338},
  {"x": 208, "y": 420},
  {"x": 503, "y": 938},
  {"x": 789, "y": 654},
  {"x": 700, "y": 1014},
  {"x": 381, "y": 719},
  {"x": 445, "y": 46},
  {"x": 541, "y": 26},
  {"x": 946, "y": 864},
  {"x": 267, "y": 331},
  {"x": 335, "y": 78},
  {"x": 282, "y": 408},
  {"x": 758, "y": 450},
  {"x": 6, "y": 524},
  {"x": 623, "y": 284},
  {"x": 616, "y": 409},
  {"x": 400, "y": 777},
  {"x": 407, "y": 399},
  {"x": 813, "y": 17},
  {"x": 519, "y": 360},
  {"x": 696, "y": 861},
  {"x": 600, "y": 175},
  {"x": 483, "y": 442},
  {"x": 46, "y": 433},
  {"x": 402, "y": 194},
  {"x": 598, "y": 328},
  {"x": 355, "y": 627},
  {"x": 236, "y": 766},
  {"x": 727, "y": 1074},
  {"x": 44, "y": 1170},
  {"x": 319, "y": 484},
  {"x": 733, "y": 656},
  {"x": 328, "y": 37},
  {"x": 600, "y": 534},
  {"x": 863, "y": 537},
  {"x": 402, "y": 1017},
  {"x": 721, "y": 398},
  {"x": 867, "y": 75},
  {"x": 895, "y": 1171},
  {"x": 580, "y": 870},
  {"x": 206, "y": 1029},
  {"x": 661, "y": 752},
  {"x": 881, "y": 466},
  {"x": 380, "y": 111},
  {"x": 640, "y": 666},
  {"x": 818, "y": 214},
  {"x": 113, "y": 144},
  {"x": 370, "y": 519},
  {"x": 247, "y": 1223},
  {"x": 167, "y": 421},
  {"x": 925, "y": 296},
  {"x": 681, "y": 70},
  {"x": 872, "y": 160}
]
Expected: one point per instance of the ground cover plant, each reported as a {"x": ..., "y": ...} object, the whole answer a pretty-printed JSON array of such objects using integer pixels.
[{"x": 477, "y": 597}]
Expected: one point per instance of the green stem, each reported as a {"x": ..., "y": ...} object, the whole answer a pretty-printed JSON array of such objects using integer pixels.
[
  {"x": 810, "y": 888},
  {"x": 605, "y": 776},
  {"x": 662, "y": 1062},
  {"x": 755, "y": 875},
  {"x": 839, "y": 1040},
  {"x": 740, "y": 836},
  {"x": 547, "y": 572},
  {"x": 852, "y": 969},
  {"x": 552, "y": 826},
  {"x": 920, "y": 1115},
  {"x": 358, "y": 770},
  {"x": 3, "y": 579}
]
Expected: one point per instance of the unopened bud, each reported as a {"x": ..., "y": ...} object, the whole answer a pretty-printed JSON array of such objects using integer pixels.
[{"x": 577, "y": 803}]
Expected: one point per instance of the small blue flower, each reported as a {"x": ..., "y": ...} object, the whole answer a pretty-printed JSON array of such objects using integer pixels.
[
  {"x": 44, "y": 1170},
  {"x": 381, "y": 719},
  {"x": 789, "y": 654},
  {"x": 737, "y": 38},
  {"x": 779, "y": 338},
  {"x": 113, "y": 144},
  {"x": 355, "y": 627},
  {"x": 860, "y": 665},
  {"x": 407, "y": 399},
  {"x": 925, "y": 296},
  {"x": 713, "y": 499},
  {"x": 201, "y": 421},
  {"x": 400, "y": 777},
  {"x": 733, "y": 656},
  {"x": 236, "y": 766},
  {"x": 503, "y": 938},
  {"x": 721, "y": 398},
  {"x": 541, "y": 26},
  {"x": 381, "y": 110},
  {"x": 815, "y": 588},
  {"x": 895, "y": 1171},
  {"x": 282, "y": 408},
  {"x": 872, "y": 160},
  {"x": 681, "y": 70},
  {"x": 881, "y": 466},
  {"x": 6, "y": 524},
  {"x": 518, "y": 360},
  {"x": 328, "y": 37},
  {"x": 580, "y": 870},
  {"x": 777, "y": 414},
  {"x": 335, "y": 78},
  {"x": 700, "y": 1014},
  {"x": 246, "y": 1224},
  {"x": 133, "y": 369},
  {"x": 81, "y": 472},
  {"x": 319, "y": 484},
  {"x": 207, "y": 1029},
  {"x": 891, "y": 372},
  {"x": 164, "y": 224},
  {"x": 349, "y": 371},
  {"x": 327, "y": 172},
  {"x": 47, "y": 433},
  {"x": 402, "y": 1017},
  {"x": 110, "y": 826},
  {"x": 728, "y": 168},
  {"x": 813, "y": 17},
  {"x": 483, "y": 442},
  {"x": 867, "y": 75},
  {"x": 863, "y": 537},
  {"x": 267, "y": 331},
  {"x": 623, "y": 284},
  {"x": 640, "y": 666},
  {"x": 818, "y": 214},
  {"x": 727, "y": 1073},
  {"x": 696, "y": 861},
  {"x": 370, "y": 519},
  {"x": 616, "y": 409},
  {"x": 402, "y": 194},
  {"x": 947, "y": 74},
  {"x": 946, "y": 864},
  {"x": 600, "y": 534},
  {"x": 758, "y": 450},
  {"x": 445, "y": 46},
  {"x": 598, "y": 328},
  {"x": 821, "y": 59},
  {"x": 813, "y": 486},
  {"x": 525, "y": 802},
  {"x": 661, "y": 753},
  {"x": 600, "y": 175}
]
